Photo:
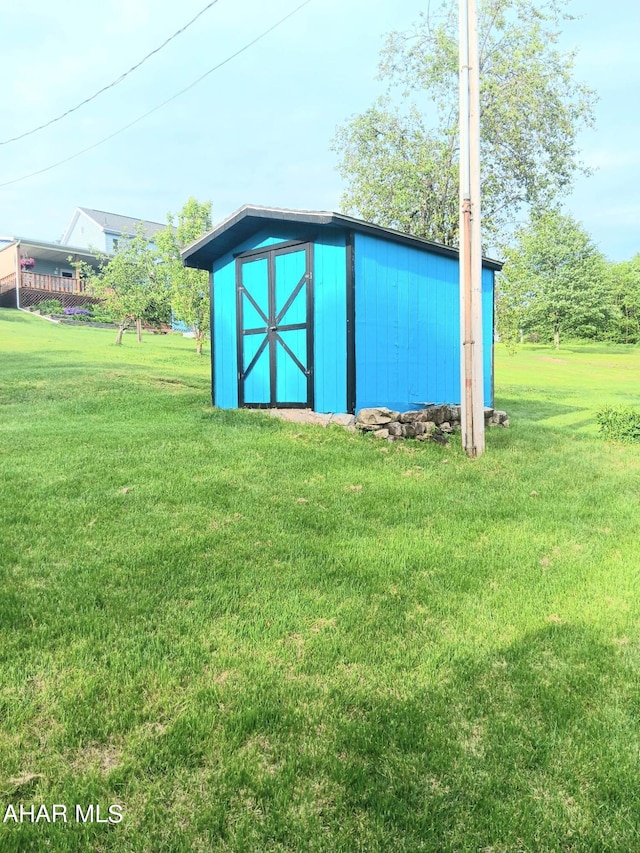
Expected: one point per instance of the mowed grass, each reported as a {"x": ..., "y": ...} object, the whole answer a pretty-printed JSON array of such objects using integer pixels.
[{"x": 259, "y": 636}]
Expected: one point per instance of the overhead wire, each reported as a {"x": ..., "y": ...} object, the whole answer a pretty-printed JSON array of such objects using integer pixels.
[
  {"x": 113, "y": 83},
  {"x": 162, "y": 104}
]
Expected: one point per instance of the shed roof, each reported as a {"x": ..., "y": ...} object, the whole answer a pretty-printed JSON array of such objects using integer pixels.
[{"x": 302, "y": 223}]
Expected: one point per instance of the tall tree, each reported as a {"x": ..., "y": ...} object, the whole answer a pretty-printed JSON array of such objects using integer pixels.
[
  {"x": 400, "y": 162},
  {"x": 625, "y": 287},
  {"x": 189, "y": 288},
  {"x": 554, "y": 282},
  {"x": 131, "y": 284}
]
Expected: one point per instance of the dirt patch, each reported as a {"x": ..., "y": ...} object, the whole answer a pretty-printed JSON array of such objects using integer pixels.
[
  {"x": 102, "y": 758},
  {"x": 308, "y": 416}
]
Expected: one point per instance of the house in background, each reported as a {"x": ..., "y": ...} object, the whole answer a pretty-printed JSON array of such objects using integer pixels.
[
  {"x": 96, "y": 229},
  {"x": 33, "y": 270},
  {"x": 324, "y": 311}
]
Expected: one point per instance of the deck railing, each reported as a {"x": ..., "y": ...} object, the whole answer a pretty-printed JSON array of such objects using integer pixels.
[
  {"x": 8, "y": 283},
  {"x": 51, "y": 283}
]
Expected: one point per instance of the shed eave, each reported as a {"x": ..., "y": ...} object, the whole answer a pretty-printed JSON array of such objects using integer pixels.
[{"x": 203, "y": 253}]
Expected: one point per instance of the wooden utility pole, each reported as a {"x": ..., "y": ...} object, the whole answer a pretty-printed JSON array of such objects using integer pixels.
[{"x": 471, "y": 361}]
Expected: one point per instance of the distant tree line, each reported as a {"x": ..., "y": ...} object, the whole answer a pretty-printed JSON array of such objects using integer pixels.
[
  {"x": 556, "y": 284},
  {"x": 145, "y": 282}
]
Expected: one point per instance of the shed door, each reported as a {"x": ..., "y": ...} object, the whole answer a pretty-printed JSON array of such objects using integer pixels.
[{"x": 275, "y": 328}]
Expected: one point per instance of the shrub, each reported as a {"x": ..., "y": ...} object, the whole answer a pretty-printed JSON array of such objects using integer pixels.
[
  {"x": 99, "y": 314},
  {"x": 619, "y": 424},
  {"x": 50, "y": 306}
]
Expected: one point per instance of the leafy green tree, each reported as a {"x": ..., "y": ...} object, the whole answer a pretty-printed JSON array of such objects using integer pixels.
[
  {"x": 400, "y": 163},
  {"x": 554, "y": 282},
  {"x": 189, "y": 288},
  {"x": 400, "y": 173},
  {"x": 131, "y": 284},
  {"x": 625, "y": 288}
]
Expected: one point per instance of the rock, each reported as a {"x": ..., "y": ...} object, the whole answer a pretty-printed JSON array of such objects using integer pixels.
[
  {"x": 381, "y": 433},
  {"x": 437, "y": 414},
  {"x": 422, "y": 416},
  {"x": 435, "y": 422},
  {"x": 454, "y": 414},
  {"x": 376, "y": 417},
  {"x": 410, "y": 417},
  {"x": 439, "y": 437},
  {"x": 343, "y": 420}
]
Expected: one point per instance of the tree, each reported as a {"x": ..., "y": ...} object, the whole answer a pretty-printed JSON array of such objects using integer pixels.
[
  {"x": 554, "y": 282},
  {"x": 401, "y": 164},
  {"x": 189, "y": 288},
  {"x": 401, "y": 175},
  {"x": 625, "y": 287},
  {"x": 131, "y": 284}
]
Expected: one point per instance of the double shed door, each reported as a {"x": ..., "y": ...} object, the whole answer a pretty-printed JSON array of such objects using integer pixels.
[{"x": 275, "y": 328}]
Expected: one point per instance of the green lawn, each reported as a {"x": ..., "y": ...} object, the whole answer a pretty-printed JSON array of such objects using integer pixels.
[{"x": 256, "y": 636}]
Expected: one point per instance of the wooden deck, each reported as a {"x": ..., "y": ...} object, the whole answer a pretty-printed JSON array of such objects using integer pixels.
[
  {"x": 51, "y": 283},
  {"x": 34, "y": 287}
]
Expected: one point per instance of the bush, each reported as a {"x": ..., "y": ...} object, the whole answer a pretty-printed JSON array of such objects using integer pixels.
[
  {"x": 100, "y": 314},
  {"x": 49, "y": 306},
  {"x": 622, "y": 424}
]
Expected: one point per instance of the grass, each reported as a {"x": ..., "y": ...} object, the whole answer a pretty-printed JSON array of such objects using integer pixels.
[{"x": 258, "y": 636}]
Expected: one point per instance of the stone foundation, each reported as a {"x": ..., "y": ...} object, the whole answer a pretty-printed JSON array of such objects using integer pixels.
[{"x": 433, "y": 423}]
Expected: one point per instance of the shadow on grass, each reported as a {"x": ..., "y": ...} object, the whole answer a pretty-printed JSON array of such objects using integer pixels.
[
  {"x": 512, "y": 748},
  {"x": 526, "y": 749},
  {"x": 540, "y": 410},
  {"x": 584, "y": 347},
  {"x": 529, "y": 748}
]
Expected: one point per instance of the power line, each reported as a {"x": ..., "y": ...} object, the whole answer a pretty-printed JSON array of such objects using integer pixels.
[
  {"x": 163, "y": 104},
  {"x": 114, "y": 82}
]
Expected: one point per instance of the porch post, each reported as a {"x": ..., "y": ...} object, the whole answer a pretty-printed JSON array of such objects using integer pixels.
[{"x": 17, "y": 260}]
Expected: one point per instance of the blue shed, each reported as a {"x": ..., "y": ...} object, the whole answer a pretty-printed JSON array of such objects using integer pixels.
[{"x": 324, "y": 311}]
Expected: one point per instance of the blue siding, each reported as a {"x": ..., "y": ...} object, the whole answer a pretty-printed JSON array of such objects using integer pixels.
[
  {"x": 487, "y": 332},
  {"x": 330, "y": 323},
  {"x": 223, "y": 334},
  {"x": 179, "y": 325},
  {"x": 110, "y": 238},
  {"x": 53, "y": 268},
  {"x": 407, "y": 326}
]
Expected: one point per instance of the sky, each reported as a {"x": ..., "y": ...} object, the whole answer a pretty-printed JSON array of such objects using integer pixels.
[{"x": 258, "y": 130}]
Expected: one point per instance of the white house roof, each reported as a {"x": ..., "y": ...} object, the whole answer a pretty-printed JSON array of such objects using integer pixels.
[{"x": 114, "y": 223}]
